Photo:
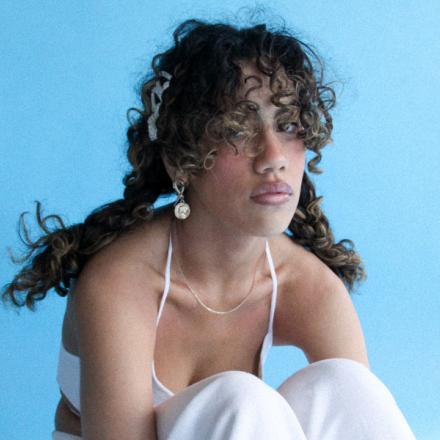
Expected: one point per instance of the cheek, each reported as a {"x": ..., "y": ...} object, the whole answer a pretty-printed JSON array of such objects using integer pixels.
[
  {"x": 297, "y": 161},
  {"x": 230, "y": 173}
]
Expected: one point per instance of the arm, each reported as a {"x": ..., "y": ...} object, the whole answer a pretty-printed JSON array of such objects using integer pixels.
[
  {"x": 116, "y": 318},
  {"x": 318, "y": 315},
  {"x": 334, "y": 328}
]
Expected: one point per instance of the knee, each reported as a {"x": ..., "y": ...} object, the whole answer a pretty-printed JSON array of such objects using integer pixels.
[
  {"x": 352, "y": 377},
  {"x": 239, "y": 389},
  {"x": 339, "y": 376},
  {"x": 226, "y": 403}
]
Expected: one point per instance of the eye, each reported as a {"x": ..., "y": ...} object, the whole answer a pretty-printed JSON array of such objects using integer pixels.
[
  {"x": 234, "y": 134},
  {"x": 289, "y": 127}
]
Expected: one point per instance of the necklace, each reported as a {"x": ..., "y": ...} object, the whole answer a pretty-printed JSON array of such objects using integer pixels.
[{"x": 209, "y": 309}]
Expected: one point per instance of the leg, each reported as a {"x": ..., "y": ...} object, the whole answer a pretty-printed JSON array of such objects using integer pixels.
[
  {"x": 233, "y": 405},
  {"x": 342, "y": 399}
]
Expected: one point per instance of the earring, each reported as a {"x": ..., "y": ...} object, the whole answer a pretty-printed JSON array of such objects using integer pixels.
[{"x": 181, "y": 208}]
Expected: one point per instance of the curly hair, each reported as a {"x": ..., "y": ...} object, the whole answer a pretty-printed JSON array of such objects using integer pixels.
[{"x": 199, "y": 113}]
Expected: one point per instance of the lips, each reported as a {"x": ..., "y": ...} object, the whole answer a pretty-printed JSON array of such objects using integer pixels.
[{"x": 272, "y": 188}]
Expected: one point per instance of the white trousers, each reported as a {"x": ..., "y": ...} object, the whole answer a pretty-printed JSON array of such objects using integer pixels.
[{"x": 332, "y": 399}]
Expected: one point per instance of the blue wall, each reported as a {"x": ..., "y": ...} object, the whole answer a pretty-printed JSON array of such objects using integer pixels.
[{"x": 67, "y": 76}]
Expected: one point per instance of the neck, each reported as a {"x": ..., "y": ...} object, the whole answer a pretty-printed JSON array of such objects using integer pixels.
[{"x": 217, "y": 261}]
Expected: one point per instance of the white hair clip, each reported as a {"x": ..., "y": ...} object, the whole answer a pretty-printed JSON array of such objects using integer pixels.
[{"x": 156, "y": 100}]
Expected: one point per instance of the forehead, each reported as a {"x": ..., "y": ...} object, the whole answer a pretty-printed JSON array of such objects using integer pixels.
[{"x": 255, "y": 85}]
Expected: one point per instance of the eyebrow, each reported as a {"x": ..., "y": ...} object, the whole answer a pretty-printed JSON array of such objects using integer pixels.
[{"x": 280, "y": 111}]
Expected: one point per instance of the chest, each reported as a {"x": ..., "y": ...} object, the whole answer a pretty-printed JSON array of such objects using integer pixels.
[{"x": 192, "y": 343}]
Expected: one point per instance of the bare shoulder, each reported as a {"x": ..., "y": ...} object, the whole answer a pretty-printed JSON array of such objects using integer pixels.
[
  {"x": 135, "y": 257},
  {"x": 315, "y": 311},
  {"x": 127, "y": 273}
]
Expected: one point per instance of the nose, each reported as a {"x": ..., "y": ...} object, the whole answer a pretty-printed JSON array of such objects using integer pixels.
[{"x": 273, "y": 157}]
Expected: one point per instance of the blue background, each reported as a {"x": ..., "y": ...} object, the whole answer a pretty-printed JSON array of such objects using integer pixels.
[{"x": 68, "y": 75}]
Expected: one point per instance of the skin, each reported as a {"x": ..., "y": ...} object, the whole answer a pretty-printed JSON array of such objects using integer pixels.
[
  {"x": 227, "y": 230},
  {"x": 226, "y": 227}
]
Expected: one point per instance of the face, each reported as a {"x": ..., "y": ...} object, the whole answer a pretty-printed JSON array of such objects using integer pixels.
[{"x": 227, "y": 192}]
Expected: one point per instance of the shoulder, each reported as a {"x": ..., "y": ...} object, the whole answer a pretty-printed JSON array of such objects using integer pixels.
[
  {"x": 127, "y": 275},
  {"x": 136, "y": 256},
  {"x": 315, "y": 311}
]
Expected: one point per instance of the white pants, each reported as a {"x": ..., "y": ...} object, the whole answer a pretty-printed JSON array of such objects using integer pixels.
[{"x": 332, "y": 399}]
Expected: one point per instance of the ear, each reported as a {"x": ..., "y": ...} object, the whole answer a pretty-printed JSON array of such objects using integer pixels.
[{"x": 171, "y": 171}]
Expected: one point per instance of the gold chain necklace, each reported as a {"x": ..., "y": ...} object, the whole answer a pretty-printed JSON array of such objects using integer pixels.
[{"x": 209, "y": 309}]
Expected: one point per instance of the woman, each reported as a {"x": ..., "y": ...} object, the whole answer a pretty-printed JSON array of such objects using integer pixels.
[{"x": 243, "y": 260}]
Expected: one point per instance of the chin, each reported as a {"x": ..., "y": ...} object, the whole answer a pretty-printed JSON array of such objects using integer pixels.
[{"x": 271, "y": 228}]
